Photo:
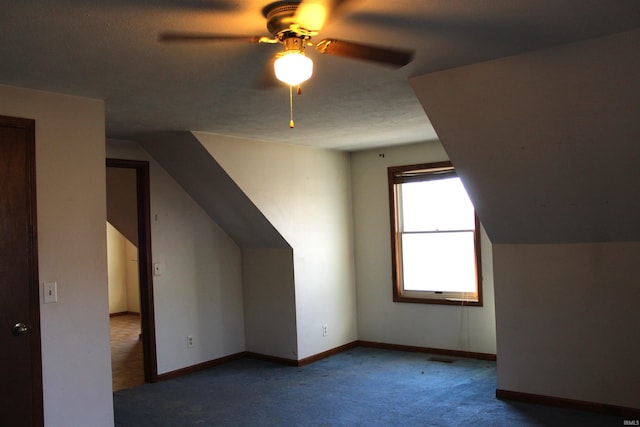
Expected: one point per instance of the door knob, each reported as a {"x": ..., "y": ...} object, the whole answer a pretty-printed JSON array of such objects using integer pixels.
[{"x": 20, "y": 329}]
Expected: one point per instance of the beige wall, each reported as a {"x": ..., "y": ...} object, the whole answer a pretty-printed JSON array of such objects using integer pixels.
[
  {"x": 199, "y": 293},
  {"x": 132, "y": 271},
  {"x": 116, "y": 270},
  {"x": 379, "y": 318},
  {"x": 71, "y": 195},
  {"x": 306, "y": 194},
  {"x": 568, "y": 320},
  {"x": 269, "y": 301},
  {"x": 547, "y": 140},
  {"x": 123, "y": 278},
  {"x": 549, "y": 143}
]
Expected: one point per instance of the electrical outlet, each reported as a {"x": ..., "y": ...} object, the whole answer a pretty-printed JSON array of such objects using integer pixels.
[
  {"x": 189, "y": 341},
  {"x": 325, "y": 330}
]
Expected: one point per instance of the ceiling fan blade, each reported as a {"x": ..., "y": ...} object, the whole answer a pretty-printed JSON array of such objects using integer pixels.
[
  {"x": 386, "y": 56},
  {"x": 170, "y": 36},
  {"x": 313, "y": 14}
]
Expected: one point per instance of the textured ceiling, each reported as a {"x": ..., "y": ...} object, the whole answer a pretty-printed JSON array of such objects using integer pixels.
[{"x": 109, "y": 50}]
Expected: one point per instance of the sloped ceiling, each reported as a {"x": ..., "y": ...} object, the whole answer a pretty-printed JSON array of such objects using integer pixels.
[
  {"x": 191, "y": 165},
  {"x": 109, "y": 50},
  {"x": 122, "y": 202},
  {"x": 547, "y": 143}
]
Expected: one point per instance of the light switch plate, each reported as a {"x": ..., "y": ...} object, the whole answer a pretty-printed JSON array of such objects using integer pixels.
[{"x": 50, "y": 292}]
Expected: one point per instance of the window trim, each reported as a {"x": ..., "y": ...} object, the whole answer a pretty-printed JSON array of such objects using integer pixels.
[{"x": 408, "y": 173}]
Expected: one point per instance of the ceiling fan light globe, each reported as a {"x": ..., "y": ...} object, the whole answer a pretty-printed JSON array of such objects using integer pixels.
[{"x": 293, "y": 68}]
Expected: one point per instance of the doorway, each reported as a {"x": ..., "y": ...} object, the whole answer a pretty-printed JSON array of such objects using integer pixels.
[
  {"x": 21, "y": 367},
  {"x": 135, "y": 229}
]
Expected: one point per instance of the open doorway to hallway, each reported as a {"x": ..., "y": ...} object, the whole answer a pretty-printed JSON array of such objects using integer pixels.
[
  {"x": 133, "y": 356},
  {"x": 127, "y": 363}
]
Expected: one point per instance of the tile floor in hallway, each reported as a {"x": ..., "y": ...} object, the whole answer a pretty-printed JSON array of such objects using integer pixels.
[{"x": 126, "y": 351}]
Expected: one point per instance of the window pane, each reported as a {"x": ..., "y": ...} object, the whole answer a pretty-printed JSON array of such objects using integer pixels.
[
  {"x": 436, "y": 205},
  {"x": 439, "y": 262}
]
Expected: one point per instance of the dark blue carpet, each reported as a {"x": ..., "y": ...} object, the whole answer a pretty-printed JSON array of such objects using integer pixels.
[{"x": 359, "y": 387}]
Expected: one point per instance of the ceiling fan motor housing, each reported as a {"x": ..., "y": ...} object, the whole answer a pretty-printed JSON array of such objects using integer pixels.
[
  {"x": 279, "y": 17},
  {"x": 293, "y": 43}
]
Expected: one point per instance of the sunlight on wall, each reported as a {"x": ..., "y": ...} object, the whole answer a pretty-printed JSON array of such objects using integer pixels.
[{"x": 122, "y": 263}]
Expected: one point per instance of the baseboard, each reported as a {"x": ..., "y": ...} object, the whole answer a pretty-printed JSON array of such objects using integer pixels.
[
  {"x": 561, "y": 402},
  {"x": 123, "y": 313},
  {"x": 274, "y": 359},
  {"x": 440, "y": 351},
  {"x": 199, "y": 366},
  {"x": 306, "y": 360},
  {"x": 328, "y": 353},
  {"x": 320, "y": 356}
]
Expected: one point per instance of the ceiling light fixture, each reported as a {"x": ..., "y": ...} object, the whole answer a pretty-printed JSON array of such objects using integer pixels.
[{"x": 292, "y": 66}]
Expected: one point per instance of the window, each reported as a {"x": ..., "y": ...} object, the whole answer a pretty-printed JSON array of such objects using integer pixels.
[{"x": 435, "y": 236}]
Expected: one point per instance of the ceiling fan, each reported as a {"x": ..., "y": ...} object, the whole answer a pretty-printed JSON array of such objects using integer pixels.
[{"x": 293, "y": 24}]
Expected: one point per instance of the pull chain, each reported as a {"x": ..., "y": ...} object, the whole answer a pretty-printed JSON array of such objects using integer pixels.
[
  {"x": 291, "y": 124},
  {"x": 299, "y": 92}
]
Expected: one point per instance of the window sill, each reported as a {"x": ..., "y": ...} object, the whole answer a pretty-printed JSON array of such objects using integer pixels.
[{"x": 444, "y": 301}]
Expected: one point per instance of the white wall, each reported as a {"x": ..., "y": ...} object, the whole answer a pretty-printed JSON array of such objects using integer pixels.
[
  {"x": 305, "y": 193},
  {"x": 269, "y": 301},
  {"x": 547, "y": 139},
  {"x": 379, "y": 318},
  {"x": 568, "y": 320},
  {"x": 70, "y": 181},
  {"x": 549, "y": 142},
  {"x": 200, "y": 290}
]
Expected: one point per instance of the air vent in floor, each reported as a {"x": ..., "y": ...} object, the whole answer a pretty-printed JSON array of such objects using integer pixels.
[{"x": 441, "y": 360}]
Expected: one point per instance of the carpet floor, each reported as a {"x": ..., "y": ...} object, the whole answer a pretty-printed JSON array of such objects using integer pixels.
[{"x": 359, "y": 387}]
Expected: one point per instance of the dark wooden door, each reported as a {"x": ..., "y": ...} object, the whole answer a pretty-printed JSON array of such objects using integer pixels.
[{"x": 20, "y": 361}]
